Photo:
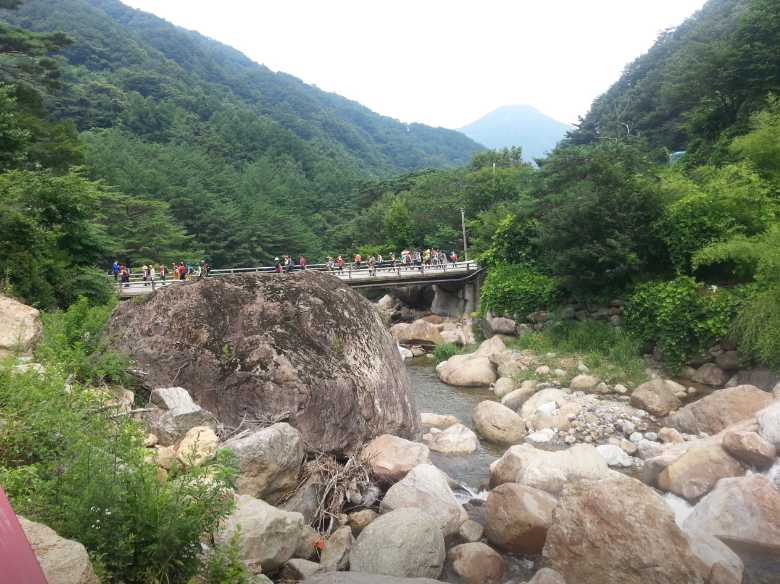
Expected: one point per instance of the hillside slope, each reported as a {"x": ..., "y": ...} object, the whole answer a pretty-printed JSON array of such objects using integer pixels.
[
  {"x": 518, "y": 125},
  {"x": 698, "y": 85},
  {"x": 252, "y": 164}
]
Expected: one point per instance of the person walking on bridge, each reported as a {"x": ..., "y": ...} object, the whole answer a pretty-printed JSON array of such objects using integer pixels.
[
  {"x": 302, "y": 262},
  {"x": 340, "y": 264},
  {"x": 115, "y": 270}
]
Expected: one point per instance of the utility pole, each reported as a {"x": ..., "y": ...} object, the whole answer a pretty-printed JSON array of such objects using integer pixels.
[{"x": 463, "y": 226}]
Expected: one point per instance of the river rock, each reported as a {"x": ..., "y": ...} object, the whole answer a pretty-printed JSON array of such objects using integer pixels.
[
  {"x": 406, "y": 543},
  {"x": 335, "y": 556},
  {"x": 391, "y": 457},
  {"x": 176, "y": 413},
  {"x": 518, "y": 518},
  {"x": 551, "y": 395},
  {"x": 300, "y": 346},
  {"x": 298, "y": 570},
  {"x": 658, "y": 397},
  {"x": 710, "y": 374},
  {"x": 20, "y": 327},
  {"x": 515, "y": 399},
  {"x": 614, "y": 455},
  {"x": 619, "y": 531},
  {"x": 762, "y": 377},
  {"x": 268, "y": 536},
  {"x": 470, "y": 531},
  {"x": 697, "y": 471},
  {"x": 719, "y": 410},
  {"x": 498, "y": 325},
  {"x": 427, "y": 489},
  {"x": 420, "y": 332},
  {"x": 670, "y": 436},
  {"x": 477, "y": 563},
  {"x": 547, "y": 576},
  {"x": 769, "y": 423},
  {"x": 725, "y": 566},
  {"x": 749, "y": 448},
  {"x": 497, "y": 423},
  {"x": 457, "y": 439},
  {"x": 198, "y": 445},
  {"x": 359, "y": 520},
  {"x": 728, "y": 360},
  {"x": 269, "y": 461},
  {"x": 548, "y": 471},
  {"x": 467, "y": 371},
  {"x": 743, "y": 512},
  {"x": 428, "y": 420},
  {"x": 504, "y": 386},
  {"x": 63, "y": 561},
  {"x": 355, "y": 578},
  {"x": 584, "y": 382}
]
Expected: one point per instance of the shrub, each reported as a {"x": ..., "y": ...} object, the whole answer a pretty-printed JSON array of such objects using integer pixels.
[
  {"x": 517, "y": 290},
  {"x": 445, "y": 351},
  {"x": 680, "y": 316},
  {"x": 225, "y": 565},
  {"x": 68, "y": 460},
  {"x": 73, "y": 342}
]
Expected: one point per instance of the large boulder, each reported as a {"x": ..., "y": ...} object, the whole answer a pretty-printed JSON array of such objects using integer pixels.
[
  {"x": 515, "y": 399},
  {"x": 426, "y": 488},
  {"x": 473, "y": 369},
  {"x": 406, "y": 543},
  {"x": 477, "y": 563},
  {"x": 268, "y": 536},
  {"x": 420, "y": 332},
  {"x": 658, "y": 397},
  {"x": 769, "y": 423},
  {"x": 750, "y": 448},
  {"x": 719, "y": 410},
  {"x": 500, "y": 325},
  {"x": 518, "y": 518},
  {"x": 335, "y": 556},
  {"x": 547, "y": 576},
  {"x": 457, "y": 439},
  {"x": 198, "y": 445},
  {"x": 20, "y": 327},
  {"x": 697, "y": 471},
  {"x": 175, "y": 414},
  {"x": 725, "y": 566},
  {"x": 301, "y": 346},
  {"x": 440, "y": 421},
  {"x": 548, "y": 471},
  {"x": 391, "y": 457},
  {"x": 584, "y": 382},
  {"x": 619, "y": 531},
  {"x": 269, "y": 461},
  {"x": 743, "y": 512},
  {"x": 497, "y": 423},
  {"x": 467, "y": 371},
  {"x": 63, "y": 561}
]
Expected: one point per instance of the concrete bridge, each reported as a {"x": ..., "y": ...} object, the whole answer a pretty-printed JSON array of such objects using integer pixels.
[{"x": 455, "y": 285}]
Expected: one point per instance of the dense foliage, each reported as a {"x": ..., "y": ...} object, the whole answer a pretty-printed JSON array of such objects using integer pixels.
[{"x": 517, "y": 290}]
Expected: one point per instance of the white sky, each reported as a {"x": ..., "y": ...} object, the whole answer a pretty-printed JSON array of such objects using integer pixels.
[{"x": 440, "y": 62}]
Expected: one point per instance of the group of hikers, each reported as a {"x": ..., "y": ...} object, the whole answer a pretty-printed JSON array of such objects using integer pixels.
[
  {"x": 407, "y": 260},
  {"x": 150, "y": 274},
  {"x": 418, "y": 259}
]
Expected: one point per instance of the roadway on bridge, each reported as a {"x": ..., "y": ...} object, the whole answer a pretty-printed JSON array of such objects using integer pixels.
[{"x": 363, "y": 278}]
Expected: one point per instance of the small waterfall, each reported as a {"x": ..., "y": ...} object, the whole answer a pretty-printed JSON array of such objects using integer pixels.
[{"x": 464, "y": 493}]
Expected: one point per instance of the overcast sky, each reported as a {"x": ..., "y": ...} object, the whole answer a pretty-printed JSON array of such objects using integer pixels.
[{"x": 440, "y": 62}]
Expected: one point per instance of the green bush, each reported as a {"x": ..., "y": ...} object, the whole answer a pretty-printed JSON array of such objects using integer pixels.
[
  {"x": 445, "y": 351},
  {"x": 681, "y": 317},
  {"x": 73, "y": 342},
  {"x": 225, "y": 565},
  {"x": 517, "y": 290},
  {"x": 69, "y": 460}
]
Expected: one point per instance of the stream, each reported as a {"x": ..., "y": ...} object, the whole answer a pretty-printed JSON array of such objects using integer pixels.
[{"x": 472, "y": 471}]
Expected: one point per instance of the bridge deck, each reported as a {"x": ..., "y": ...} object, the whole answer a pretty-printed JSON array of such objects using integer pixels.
[{"x": 363, "y": 278}]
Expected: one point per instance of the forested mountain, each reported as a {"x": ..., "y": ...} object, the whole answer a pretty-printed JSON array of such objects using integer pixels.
[
  {"x": 251, "y": 163},
  {"x": 697, "y": 87},
  {"x": 518, "y": 125}
]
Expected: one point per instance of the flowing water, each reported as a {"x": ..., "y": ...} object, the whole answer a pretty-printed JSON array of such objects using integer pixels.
[{"x": 472, "y": 472}]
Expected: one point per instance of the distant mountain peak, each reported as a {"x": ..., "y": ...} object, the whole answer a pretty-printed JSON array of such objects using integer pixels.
[{"x": 518, "y": 125}]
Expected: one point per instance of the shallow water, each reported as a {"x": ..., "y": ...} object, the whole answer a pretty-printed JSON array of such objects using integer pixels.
[{"x": 431, "y": 395}]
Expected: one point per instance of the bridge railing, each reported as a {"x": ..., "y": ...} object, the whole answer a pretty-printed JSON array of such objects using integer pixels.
[{"x": 349, "y": 272}]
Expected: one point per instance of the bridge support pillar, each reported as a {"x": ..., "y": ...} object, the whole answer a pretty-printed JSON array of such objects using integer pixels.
[{"x": 456, "y": 300}]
